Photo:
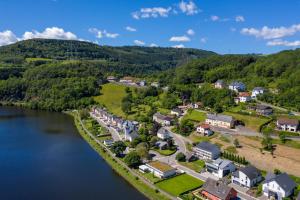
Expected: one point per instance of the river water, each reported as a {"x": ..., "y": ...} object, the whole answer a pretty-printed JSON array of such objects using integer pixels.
[{"x": 43, "y": 157}]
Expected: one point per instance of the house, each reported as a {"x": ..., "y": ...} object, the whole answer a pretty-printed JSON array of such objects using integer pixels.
[
  {"x": 220, "y": 84},
  {"x": 220, "y": 167},
  {"x": 155, "y": 84},
  {"x": 162, "y": 119},
  {"x": 247, "y": 176},
  {"x": 287, "y": 124},
  {"x": 197, "y": 105},
  {"x": 204, "y": 129},
  {"x": 237, "y": 86},
  {"x": 176, "y": 111},
  {"x": 263, "y": 110},
  {"x": 215, "y": 190},
  {"x": 142, "y": 83},
  {"x": 244, "y": 97},
  {"x": 130, "y": 131},
  {"x": 159, "y": 169},
  {"x": 108, "y": 143},
  {"x": 127, "y": 80},
  {"x": 162, "y": 145},
  {"x": 257, "y": 91},
  {"x": 163, "y": 133},
  {"x": 111, "y": 79},
  {"x": 119, "y": 122},
  {"x": 206, "y": 151},
  {"x": 278, "y": 186},
  {"x": 220, "y": 120}
]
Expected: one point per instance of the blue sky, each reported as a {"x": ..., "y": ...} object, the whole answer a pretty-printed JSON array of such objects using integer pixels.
[{"x": 223, "y": 26}]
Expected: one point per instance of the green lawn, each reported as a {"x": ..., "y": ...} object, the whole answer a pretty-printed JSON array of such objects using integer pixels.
[
  {"x": 149, "y": 176},
  {"x": 196, "y": 165},
  {"x": 179, "y": 184},
  {"x": 195, "y": 115},
  {"x": 251, "y": 122},
  {"x": 166, "y": 152}
]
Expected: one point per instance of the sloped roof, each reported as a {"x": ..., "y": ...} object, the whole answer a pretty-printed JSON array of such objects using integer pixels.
[
  {"x": 251, "y": 172},
  {"x": 283, "y": 180},
  {"x": 206, "y": 146},
  {"x": 217, "y": 189},
  {"x": 220, "y": 117},
  {"x": 283, "y": 120}
]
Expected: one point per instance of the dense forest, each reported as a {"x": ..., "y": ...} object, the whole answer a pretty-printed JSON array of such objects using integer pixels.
[{"x": 58, "y": 74}]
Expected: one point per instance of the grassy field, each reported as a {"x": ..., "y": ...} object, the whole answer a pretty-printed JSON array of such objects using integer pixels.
[
  {"x": 196, "y": 165},
  {"x": 179, "y": 184},
  {"x": 251, "y": 122},
  {"x": 166, "y": 152},
  {"x": 195, "y": 115}
]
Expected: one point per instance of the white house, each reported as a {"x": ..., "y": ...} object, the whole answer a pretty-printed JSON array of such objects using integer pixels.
[
  {"x": 220, "y": 120},
  {"x": 220, "y": 84},
  {"x": 130, "y": 131},
  {"x": 108, "y": 142},
  {"x": 287, "y": 124},
  {"x": 155, "y": 84},
  {"x": 176, "y": 111},
  {"x": 163, "y": 133},
  {"x": 162, "y": 119},
  {"x": 159, "y": 169},
  {"x": 278, "y": 186},
  {"x": 247, "y": 177},
  {"x": 204, "y": 129},
  {"x": 220, "y": 167},
  {"x": 244, "y": 97},
  {"x": 257, "y": 91},
  {"x": 237, "y": 86},
  {"x": 206, "y": 151}
]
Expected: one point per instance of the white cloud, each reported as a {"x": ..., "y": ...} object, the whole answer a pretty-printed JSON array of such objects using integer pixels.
[
  {"x": 139, "y": 42},
  {"x": 203, "y": 40},
  {"x": 189, "y": 8},
  {"x": 7, "y": 37},
  {"x": 239, "y": 18},
  {"x": 183, "y": 38},
  {"x": 153, "y": 45},
  {"x": 151, "y": 12},
  {"x": 279, "y": 42},
  {"x": 103, "y": 33},
  {"x": 178, "y": 46},
  {"x": 190, "y": 32},
  {"x": 130, "y": 29},
  {"x": 272, "y": 33},
  {"x": 50, "y": 33},
  {"x": 214, "y": 18}
]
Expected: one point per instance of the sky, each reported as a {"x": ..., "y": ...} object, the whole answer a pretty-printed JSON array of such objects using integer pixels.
[{"x": 222, "y": 26}]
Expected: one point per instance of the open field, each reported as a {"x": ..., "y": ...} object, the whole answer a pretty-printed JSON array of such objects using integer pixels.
[
  {"x": 195, "y": 115},
  {"x": 179, "y": 184},
  {"x": 251, "y": 122}
]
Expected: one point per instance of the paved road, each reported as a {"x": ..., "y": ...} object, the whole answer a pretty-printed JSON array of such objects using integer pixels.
[
  {"x": 277, "y": 107},
  {"x": 124, "y": 165}
]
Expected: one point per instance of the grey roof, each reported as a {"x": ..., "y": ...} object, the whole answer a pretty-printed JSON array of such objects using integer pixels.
[
  {"x": 161, "y": 143},
  {"x": 219, "y": 82},
  {"x": 262, "y": 107},
  {"x": 258, "y": 88},
  {"x": 206, "y": 146},
  {"x": 217, "y": 189},
  {"x": 177, "y": 110},
  {"x": 236, "y": 83},
  {"x": 220, "y": 117},
  {"x": 283, "y": 180},
  {"x": 162, "y": 130},
  {"x": 251, "y": 172}
]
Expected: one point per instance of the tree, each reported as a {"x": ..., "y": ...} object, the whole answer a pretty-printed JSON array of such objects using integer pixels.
[
  {"x": 180, "y": 157},
  {"x": 267, "y": 142},
  {"x": 132, "y": 159},
  {"x": 118, "y": 148},
  {"x": 282, "y": 138},
  {"x": 277, "y": 171},
  {"x": 153, "y": 141},
  {"x": 185, "y": 127},
  {"x": 236, "y": 143},
  {"x": 142, "y": 150},
  {"x": 126, "y": 107}
]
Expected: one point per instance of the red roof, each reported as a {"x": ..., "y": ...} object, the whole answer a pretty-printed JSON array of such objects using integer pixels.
[
  {"x": 205, "y": 126},
  {"x": 244, "y": 94}
]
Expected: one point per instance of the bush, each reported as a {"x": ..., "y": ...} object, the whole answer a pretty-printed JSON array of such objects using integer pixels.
[
  {"x": 132, "y": 159},
  {"x": 180, "y": 157}
]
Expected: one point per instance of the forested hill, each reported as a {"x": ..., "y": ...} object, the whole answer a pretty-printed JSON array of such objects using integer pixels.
[
  {"x": 280, "y": 73},
  {"x": 129, "y": 58}
]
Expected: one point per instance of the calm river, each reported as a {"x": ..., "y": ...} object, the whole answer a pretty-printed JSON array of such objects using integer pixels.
[{"x": 43, "y": 157}]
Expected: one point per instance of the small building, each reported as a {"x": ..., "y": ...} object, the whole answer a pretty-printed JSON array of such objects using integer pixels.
[
  {"x": 247, "y": 176},
  {"x": 264, "y": 110},
  {"x": 163, "y": 134},
  {"x": 220, "y": 84},
  {"x": 142, "y": 83},
  {"x": 206, "y": 151},
  {"x": 155, "y": 84},
  {"x": 237, "y": 86},
  {"x": 162, "y": 119},
  {"x": 197, "y": 105},
  {"x": 111, "y": 79},
  {"x": 257, "y": 91},
  {"x": 108, "y": 143},
  {"x": 236, "y": 100},
  {"x": 224, "y": 121},
  {"x": 244, "y": 97},
  {"x": 215, "y": 190},
  {"x": 176, "y": 111},
  {"x": 278, "y": 186},
  {"x": 162, "y": 145},
  {"x": 220, "y": 167},
  {"x": 130, "y": 131},
  {"x": 287, "y": 124},
  {"x": 127, "y": 80},
  {"x": 204, "y": 129},
  {"x": 159, "y": 169}
]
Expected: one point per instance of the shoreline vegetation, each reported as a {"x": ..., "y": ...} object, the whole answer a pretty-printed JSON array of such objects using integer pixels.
[{"x": 128, "y": 176}]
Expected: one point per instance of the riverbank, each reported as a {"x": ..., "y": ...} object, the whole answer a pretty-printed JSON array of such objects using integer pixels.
[{"x": 135, "y": 181}]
